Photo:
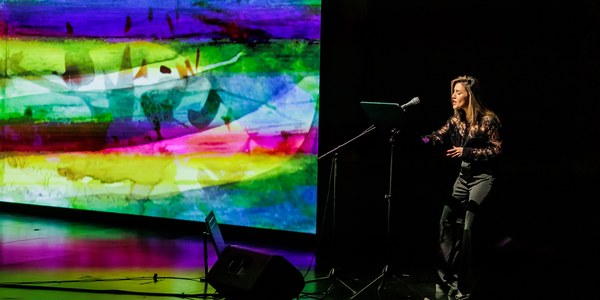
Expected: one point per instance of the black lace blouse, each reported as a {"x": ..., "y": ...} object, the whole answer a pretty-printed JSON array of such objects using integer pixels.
[{"x": 481, "y": 141}]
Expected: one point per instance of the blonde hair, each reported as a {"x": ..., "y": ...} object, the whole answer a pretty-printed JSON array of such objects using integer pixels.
[{"x": 475, "y": 108}]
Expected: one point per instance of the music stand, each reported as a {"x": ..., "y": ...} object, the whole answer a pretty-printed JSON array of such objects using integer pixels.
[{"x": 388, "y": 117}]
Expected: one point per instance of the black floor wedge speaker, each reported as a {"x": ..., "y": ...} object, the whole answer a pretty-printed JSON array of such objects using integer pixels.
[{"x": 241, "y": 273}]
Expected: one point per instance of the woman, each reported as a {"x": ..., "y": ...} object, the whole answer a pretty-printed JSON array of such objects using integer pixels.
[{"x": 472, "y": 135}]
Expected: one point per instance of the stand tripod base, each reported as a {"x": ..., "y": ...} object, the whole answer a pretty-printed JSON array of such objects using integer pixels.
[
  {"x": 385, "y": 273},
  {"x": 332, "y": 277}
]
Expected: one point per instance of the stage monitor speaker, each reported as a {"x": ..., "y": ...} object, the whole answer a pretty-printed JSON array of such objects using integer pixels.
[{"x": 241, "y": 273}]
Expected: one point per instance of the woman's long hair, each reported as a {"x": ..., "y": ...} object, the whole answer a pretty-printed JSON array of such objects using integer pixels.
[{"x": 475, "y": 109}]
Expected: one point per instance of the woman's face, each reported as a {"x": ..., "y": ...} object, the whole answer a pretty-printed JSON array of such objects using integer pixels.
[{"x": 460, "y": 97}]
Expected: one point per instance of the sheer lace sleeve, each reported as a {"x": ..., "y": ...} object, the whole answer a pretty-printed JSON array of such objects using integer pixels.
[{"x": 442, "y": 135}]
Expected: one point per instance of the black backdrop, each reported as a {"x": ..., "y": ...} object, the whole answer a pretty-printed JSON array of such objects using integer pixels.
[{"x": 539, "y": 65}]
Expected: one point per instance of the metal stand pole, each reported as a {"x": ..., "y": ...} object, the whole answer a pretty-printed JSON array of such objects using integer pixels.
[
  {"x": 332, "y": 187},
  {"x": 332, "y": 275}
]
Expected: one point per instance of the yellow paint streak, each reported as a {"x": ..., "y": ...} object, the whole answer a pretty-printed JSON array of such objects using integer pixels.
[{"x": 95, "y": 175}]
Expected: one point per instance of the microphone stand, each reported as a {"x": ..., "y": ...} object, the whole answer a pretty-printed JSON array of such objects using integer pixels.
[
  {"x": 333, "y": 181},
  {"x": 371, "y": 128}
]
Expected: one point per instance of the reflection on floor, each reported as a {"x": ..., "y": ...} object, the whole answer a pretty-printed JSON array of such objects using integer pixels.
[{"x": 49, "y": 258}]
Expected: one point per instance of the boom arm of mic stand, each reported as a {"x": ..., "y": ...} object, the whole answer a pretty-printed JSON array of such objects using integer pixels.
[{"x": 371, "y": 128}]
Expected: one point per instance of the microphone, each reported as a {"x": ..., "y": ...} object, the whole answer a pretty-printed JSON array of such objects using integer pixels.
[{"x": 413, "y": 101}]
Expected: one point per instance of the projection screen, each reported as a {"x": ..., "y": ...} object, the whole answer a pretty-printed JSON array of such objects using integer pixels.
[{"x": 163, "y": 108}]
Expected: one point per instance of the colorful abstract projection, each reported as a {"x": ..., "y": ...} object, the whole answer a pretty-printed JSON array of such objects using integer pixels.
[{"x": 161, "y": 108}]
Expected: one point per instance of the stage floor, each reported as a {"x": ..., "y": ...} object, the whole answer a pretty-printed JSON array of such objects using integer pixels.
[{"x": 53, "y": 258}]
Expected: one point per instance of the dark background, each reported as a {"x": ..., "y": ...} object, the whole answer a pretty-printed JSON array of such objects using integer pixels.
[{"x": 538, "y": 63}]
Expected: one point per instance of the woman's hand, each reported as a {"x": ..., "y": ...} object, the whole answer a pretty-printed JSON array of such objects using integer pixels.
[{"x": 455, "y": 152}]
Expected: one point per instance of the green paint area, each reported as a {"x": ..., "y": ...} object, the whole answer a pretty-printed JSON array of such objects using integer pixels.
[
  {"x": 30, "y": 58},
  {"x": 276, "y": 186}
]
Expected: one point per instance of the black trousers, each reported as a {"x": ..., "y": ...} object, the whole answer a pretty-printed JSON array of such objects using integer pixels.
[{"x": 458, "y": 261}]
